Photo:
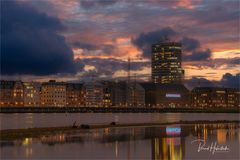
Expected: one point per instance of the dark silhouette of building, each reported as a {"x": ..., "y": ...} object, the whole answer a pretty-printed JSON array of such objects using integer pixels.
[
  {"x": 135, "y": 95},
  {"x": 166, "y": 95},
  {"x": 166, "y": 63},
  {"x": 150, "y": 94}
]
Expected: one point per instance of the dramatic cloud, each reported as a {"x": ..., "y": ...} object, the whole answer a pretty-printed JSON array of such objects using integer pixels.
[
  {"x": 145, "y": 40},
  {"x": 89, "y": 4},
  {"x": 190, "y": 44},
  {"x": 117, "y": 29},
  {"x": 198, "y": 55},
  {"x": 194, "y": 47},
  {"x": 216, "y": 63},
  {"x": 235, "y": 61},
  {"x": 198, "y": 82},
  {"x": 223, "y": 11},
  {"x": 31, "y": 44},
  {"x": 110, "y": 65},
  {"x": 228, "y": 80},
  {"x": 84, "y": 46}
]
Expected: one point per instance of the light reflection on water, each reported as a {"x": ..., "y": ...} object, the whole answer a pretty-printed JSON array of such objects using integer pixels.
[{"x": 163, "y": 142}]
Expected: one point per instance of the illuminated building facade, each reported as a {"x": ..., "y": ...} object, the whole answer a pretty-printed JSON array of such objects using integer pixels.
[
  {"x": 75, "y": 95},
  {"x": 11, "y": 93},
  {"x": 107, "y": 100},
  {"x": 172, "y": 96},
  {"x": 31, "y": 93},
  {"x": 166, "y": 63},
  {"x": 205, "y": 97},
  {"x": 107, "y": 93},
  {"x": 114, "y": 93},
  {"x": 53, "y": 94},
  {"x": 93, "y": 94}
]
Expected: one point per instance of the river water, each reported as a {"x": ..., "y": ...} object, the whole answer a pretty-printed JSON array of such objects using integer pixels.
[
  {"x": 31, "y": 120},
  {"x": 195, "y": 141}
]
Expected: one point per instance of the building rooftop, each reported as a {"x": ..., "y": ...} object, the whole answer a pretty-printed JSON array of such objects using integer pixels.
[
  {"x": 7, "y": 84},
  {"x": 75, "y": 86},
  {"x": 167, "y": 87},
  {"x": 51, "y": 82},
  {"x": 214, "y": 89},
  {"x": 168, "y": 44}
]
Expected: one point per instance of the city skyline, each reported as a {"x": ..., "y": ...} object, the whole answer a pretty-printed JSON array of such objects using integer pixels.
[
  {"x": 120, "y": 79},
  {"x": 103, "y": 34}
]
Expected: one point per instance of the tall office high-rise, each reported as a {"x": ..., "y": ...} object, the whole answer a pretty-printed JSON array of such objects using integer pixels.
[{"x": 166, "y": 63}]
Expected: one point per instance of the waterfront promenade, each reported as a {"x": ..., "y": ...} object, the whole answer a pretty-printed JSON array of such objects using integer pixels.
[{"x": 113, "y": 110}]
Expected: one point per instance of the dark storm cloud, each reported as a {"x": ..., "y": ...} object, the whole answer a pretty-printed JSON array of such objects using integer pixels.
[
  {"x": 145, "y": 40},
  {"x": 16, "y": 16},
  {"x": 190, "y": 44},
  {"x": 194, "y": 47},
  {"x": 198, "y": 55},
  {"x": 30, "y": 43}
]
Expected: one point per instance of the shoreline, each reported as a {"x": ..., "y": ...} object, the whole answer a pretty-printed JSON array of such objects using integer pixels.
[
  {"x": 114, "y": 110},
  {"x": 13, "y": 134}
]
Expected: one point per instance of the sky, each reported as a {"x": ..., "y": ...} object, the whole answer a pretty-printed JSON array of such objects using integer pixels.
[{"x": 72, "y": 40}]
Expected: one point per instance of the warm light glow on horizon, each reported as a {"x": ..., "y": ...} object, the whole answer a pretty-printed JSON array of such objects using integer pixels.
[
  {"x": 226, "y": 54},
  {"x": 208, "y": 72}
]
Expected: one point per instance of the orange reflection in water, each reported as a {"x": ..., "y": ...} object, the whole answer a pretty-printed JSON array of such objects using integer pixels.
[
  {"x": 167, "y": 148},
  {"x": 221, "y": 136}
]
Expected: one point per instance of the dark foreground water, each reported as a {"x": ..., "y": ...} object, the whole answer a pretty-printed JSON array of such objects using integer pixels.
[{"x": 196, "y": 141}]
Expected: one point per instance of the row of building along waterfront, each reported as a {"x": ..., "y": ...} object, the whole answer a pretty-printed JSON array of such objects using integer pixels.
[{"x": 114, "y": 94}]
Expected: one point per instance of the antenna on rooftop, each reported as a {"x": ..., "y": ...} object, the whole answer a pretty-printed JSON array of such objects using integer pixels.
[
  {"x": 134, "y": 90},
  {"x": 198, "y": 82},
  {"x": 129, "y": 68},
  {"x": 166, "y": 38}
]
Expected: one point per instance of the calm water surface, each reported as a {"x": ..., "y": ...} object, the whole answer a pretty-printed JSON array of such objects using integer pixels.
[
  {"x": 30, "y": 120},
  {"x": 163, "y": 142},
  {"x": 160, "y": 142}
]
